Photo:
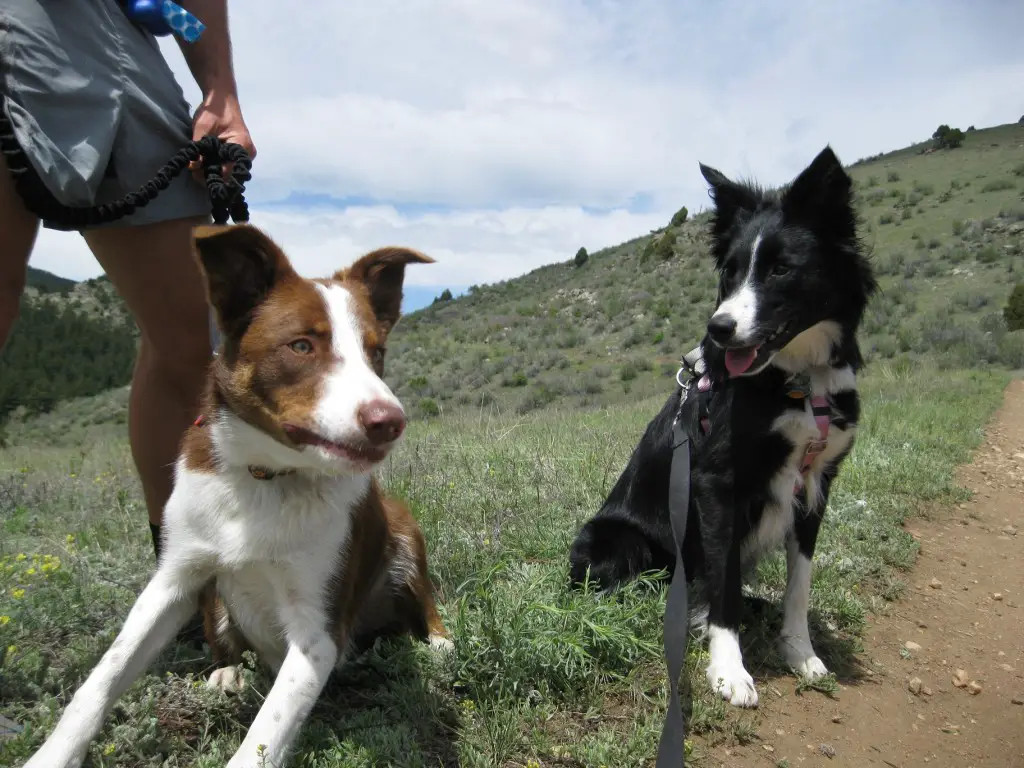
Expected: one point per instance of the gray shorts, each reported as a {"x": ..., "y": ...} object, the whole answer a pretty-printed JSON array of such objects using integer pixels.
[{"x": 94, "y": 105}]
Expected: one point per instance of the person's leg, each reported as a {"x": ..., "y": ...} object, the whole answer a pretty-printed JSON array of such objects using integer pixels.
[
  {"x": 153, "y": 268},
  {"x": 18, "y": 230}
]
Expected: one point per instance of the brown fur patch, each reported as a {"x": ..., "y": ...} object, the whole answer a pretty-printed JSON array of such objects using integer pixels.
[
  {"x": 227, "y": 643},
  {"x": 375, "y": 280},
  {"x": 197, "y": 450},
  {"x": 383, "y": 587}
]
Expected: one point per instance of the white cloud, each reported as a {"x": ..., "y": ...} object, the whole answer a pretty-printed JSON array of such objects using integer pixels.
[
  {"x": 519, "y": 117},
  {"x": 472, "y": 246}
]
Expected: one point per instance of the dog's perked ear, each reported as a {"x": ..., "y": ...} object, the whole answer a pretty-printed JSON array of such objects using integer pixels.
[
  {"x": 730, "y": 199},
  {"x": 821, "y": 195},
  {"x": 382, "y": 272},
  {"x": 728, "y": 196},
  {"x": 241, "y": 264}
]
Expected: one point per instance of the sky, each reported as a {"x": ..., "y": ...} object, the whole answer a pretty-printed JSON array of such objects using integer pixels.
[{"x": 500, "y": 136}]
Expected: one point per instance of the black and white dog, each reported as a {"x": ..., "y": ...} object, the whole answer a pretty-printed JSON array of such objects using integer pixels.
[{"x": 771, "y": 421}]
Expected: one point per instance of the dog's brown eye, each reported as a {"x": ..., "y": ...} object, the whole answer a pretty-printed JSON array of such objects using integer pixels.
[
  {"x": 378, "y": 355},
  {"x": 780, "y": 269},
  {"x": 301, "y": 346}
]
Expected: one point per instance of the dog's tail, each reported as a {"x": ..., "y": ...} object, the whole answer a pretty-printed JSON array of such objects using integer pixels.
[{"x": 614, "y": 552}]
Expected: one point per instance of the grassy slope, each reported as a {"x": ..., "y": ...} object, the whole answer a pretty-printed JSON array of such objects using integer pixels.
[
  {"x": 948, "y": 253},
  {"x": 541, "y": 676}
]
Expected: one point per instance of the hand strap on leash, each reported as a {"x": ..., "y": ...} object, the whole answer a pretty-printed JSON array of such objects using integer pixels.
[
  {"x": 227, "y": 197},
  {"x": 672, "y": 746}
]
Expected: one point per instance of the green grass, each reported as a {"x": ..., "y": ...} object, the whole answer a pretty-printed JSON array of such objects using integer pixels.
[{"x": 541, "y": 676}]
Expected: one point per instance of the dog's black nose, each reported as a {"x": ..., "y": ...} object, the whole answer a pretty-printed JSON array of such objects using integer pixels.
[{"x": 721, "y": 328}]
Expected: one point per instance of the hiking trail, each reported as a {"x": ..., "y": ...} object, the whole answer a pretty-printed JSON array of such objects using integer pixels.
[{"x": 963, "y": 609}]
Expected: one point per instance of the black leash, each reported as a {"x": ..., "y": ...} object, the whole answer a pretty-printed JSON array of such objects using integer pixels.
[
  {"x": 672, "y": 746},
  {"x": 227, "y": 198}
]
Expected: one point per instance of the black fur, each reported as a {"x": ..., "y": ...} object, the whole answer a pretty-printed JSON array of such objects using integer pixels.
[{"x": 809, "y": 268}]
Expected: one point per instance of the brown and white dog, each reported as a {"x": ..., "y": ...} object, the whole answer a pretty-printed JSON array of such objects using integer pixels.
[{"x": 276, "y": 525}]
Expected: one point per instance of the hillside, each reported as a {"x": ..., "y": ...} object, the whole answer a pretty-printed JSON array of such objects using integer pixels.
[
  {"x": 46, "y": 282},
  {"x": 945, "y": 231},
  {"x": 70, "y": 340}
]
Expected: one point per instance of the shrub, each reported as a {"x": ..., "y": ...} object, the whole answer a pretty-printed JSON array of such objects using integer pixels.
[
  {"x": 536, "y": 397},
  {"x": 998, "y": 185},
  {"x": 1013, "y": 313},
  {"x": 948, "y": 138},
  {"x": 958, "y": 227},
  {"x": 628, "y": 371},
  {"x": 428, "y": 408},
  {"x": 875, "y": 197},
  {"x": 517, "y": 379},
  {"x": 970, "y": 300},
  {"x": 894, "y": 176},
  {"x": 679, "y": 217},
  {"x": 1019, "y": 170},
  {"x": 581, "y": 257},
  {"x": 665, "y": 249},
  {"x": 988, "y": 255},
  {"x": 1011, "y": 350},
  {"x": 886, "y": 218}
]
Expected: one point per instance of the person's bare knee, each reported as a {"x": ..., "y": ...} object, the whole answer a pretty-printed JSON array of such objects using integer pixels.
[
  {"x": 18, "y": 228},
  {"x": 154, "y": 269}
]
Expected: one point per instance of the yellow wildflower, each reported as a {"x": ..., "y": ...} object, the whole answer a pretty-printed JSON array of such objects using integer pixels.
[
  {"x": 11, "y": 650},
  {"x": 21, "y": 556},
  {"x": 5, "y": 620},
  {"x": 30, "y": 572},
  {"x": 109, "y": 749},
  {"x": 17, "y": 593}
]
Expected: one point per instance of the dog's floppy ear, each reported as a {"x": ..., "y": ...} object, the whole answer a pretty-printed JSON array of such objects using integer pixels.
[
  {"x": 728, "y": 196},
  {"x": 382, "y": 272},
  {"x": 240, "y": 264},
  {"x": 821, "y": 193}
]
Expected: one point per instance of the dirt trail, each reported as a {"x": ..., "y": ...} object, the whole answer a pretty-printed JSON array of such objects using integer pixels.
[{"x": 965, "y": 609}]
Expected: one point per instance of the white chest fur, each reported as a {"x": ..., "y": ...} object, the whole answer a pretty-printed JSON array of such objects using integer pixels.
[
  {"x": 798, "y": 426},
  {"x": 275, "y": 544}
]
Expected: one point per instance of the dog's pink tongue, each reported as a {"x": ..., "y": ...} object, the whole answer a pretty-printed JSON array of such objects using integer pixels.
[{"x": 737, "y": 361}]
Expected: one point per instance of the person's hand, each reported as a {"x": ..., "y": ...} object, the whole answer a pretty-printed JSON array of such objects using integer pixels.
[{"x": 222, "y": 117}]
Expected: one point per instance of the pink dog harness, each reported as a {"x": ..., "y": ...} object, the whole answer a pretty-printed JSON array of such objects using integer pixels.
[{"x": 822, "y": 417}]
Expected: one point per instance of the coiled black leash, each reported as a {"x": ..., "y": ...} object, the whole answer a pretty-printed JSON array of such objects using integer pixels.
[{"x": 227, "y": 197}]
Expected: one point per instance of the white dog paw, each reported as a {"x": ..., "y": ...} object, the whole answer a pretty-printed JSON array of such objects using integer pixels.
[
  {"x": 733, "y": 683},
  {"x": 441, "y": 645},
  {"x": 226, "y": 679},
  {"x": 800, "y": 657},
  {"x": 811, "y": 669}
]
